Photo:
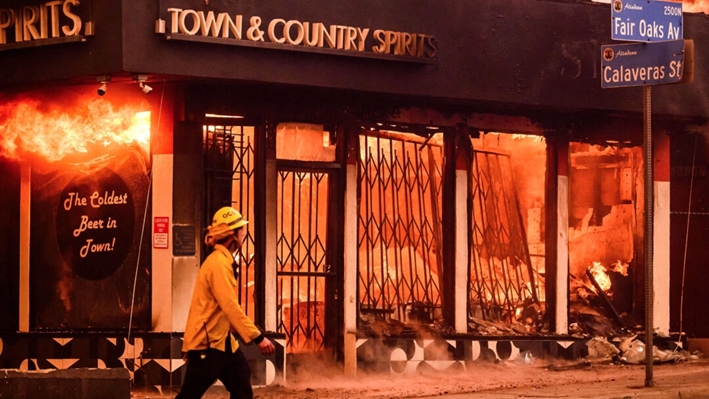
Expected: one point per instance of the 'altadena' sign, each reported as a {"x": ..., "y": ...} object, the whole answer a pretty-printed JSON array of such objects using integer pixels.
[{"x": 222, "y": 28}]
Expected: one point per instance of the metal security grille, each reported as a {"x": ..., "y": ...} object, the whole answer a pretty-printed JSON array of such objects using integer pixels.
[
  {"x": 229, "y": 181},
  {"x": 302, "y": 258},
  {"x": 399, "y": 226},
  {"x": 502, "y": 277}
]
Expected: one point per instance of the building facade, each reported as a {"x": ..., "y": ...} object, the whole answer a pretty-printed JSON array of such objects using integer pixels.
[{"x": 425, "y": 183}]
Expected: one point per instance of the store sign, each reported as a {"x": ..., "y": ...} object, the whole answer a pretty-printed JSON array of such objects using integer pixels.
[
  {"x": 47, "y": 23},
  {"x": 278, "y": 33}
]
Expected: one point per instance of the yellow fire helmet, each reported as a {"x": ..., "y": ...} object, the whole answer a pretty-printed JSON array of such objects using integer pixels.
[{"x": 224, "y": 221}]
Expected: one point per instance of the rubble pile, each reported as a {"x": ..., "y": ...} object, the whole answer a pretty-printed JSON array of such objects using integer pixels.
[{"x": 631, "y": 350}]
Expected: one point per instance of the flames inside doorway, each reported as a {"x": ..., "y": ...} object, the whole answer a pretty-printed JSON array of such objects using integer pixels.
[{"x": 605, "y": 227}]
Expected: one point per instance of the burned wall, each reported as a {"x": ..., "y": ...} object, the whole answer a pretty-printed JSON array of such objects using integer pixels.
[
  {"x": 86, "y": 227},
  {"x": 689, "y": 230}
]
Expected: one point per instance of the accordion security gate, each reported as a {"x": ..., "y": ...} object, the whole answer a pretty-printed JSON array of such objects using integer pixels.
[
  {"x": 302, "y": 258},
  {"x": 399, "y": 227},
  {"x": 400, "y": 182},
  {"x": 502, "y": 280},
  {"x": 228, "y": 152},
  {"x": 399, "y": 234},
  {"x": 229, "y": 181}
]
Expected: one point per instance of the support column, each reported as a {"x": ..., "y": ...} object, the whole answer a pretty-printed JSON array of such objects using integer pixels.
[
  {"x": 447, "y": 252},
  {"x": 167, "y": 315},
  {"x": 557, "y": 235},
  {"x": 162, "y": 299},
  {"x": 270, "y": 229},
  {"x": 186, "y": 214},
  {"x": 25, "y": 206},
  {"x": 350, "y": 253},
  {"x": 661, "y": 236},
  {"x": 562, "y": 245},
  {"x": 463, "y": 162}
]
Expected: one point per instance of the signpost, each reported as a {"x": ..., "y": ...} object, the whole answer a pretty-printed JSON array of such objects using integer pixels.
[
  {"x": 659, "y": 59},
  {"x": 646, "y": 21},
  {"x": 639, "y": 64}
]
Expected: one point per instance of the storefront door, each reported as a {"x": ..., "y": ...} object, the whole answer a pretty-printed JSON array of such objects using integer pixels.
[{"x": 306, "y": 266}]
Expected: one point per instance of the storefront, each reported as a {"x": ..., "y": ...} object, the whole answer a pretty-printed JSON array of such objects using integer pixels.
[{"x": 425, "y": 184}]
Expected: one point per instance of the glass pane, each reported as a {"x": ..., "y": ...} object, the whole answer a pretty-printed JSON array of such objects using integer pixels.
[{"x": 304, "y": 142}]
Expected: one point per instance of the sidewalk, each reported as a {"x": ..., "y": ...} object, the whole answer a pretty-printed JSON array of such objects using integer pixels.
[
  {"x": 687, "y": 380},
  {"x": 693, "y": 384}
]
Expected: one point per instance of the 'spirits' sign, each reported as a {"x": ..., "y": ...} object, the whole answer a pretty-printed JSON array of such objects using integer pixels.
[
  {"x": 304, "y": 35},
  {"x": 32, "y": 23}
]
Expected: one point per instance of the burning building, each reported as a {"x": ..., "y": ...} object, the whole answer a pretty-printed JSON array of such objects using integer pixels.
[{"x": 427, "y": 186}]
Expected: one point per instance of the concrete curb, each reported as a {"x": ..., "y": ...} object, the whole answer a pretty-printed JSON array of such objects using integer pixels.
[{"x": 80, "y": 383}]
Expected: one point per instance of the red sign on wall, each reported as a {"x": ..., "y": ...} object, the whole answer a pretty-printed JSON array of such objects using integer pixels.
[{"x": 161, "y": 232}]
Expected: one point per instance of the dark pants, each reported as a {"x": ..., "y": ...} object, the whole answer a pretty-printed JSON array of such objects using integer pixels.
[{"x": 205, "y": 367}]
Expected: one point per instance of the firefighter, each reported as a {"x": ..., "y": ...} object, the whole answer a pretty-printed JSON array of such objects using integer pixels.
[{"x": 209, "y": 348}]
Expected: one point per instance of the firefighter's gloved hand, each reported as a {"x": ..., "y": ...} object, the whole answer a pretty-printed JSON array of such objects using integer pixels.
[{"x": 266, "y": 347}]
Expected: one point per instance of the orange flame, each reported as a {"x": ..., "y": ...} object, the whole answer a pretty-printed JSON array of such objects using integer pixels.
[
  {"x": 27, "y": 128},
  {"x": 599, "y": 273},
  {"x": 695, "y": 6},
  {"x": 621, "y": 268}
]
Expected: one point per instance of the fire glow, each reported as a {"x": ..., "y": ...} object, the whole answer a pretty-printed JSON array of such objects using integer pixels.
[
  {"x": 601, "y": 276},
  {"x": 599, "y": 273},
  {"x": 25, "y": 127}
]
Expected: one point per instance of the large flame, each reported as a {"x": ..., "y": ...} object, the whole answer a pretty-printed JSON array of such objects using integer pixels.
[
  {"x": 695, "y": 6},
  {"x": 25, "y": 127}
]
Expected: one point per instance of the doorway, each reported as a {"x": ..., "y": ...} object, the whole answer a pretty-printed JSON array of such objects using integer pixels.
[{"x": 307, "y": 266}]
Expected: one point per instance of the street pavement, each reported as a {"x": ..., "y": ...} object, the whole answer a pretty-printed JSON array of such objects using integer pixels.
[{"x": 687, "y": 380}]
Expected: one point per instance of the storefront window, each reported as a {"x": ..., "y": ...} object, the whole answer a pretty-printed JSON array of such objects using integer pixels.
[{"x": 304, "y": 142}]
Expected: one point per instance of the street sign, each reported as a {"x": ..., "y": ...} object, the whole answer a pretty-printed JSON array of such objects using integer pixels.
[
  {"x": 641, "y": 64},
  {"x": 646, "y": 21}
]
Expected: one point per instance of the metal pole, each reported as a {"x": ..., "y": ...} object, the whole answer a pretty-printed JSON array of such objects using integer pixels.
[{"x": 649, "y": 204}]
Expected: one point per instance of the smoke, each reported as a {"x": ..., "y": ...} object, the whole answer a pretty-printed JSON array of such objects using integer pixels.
[
  {"x": 318, "y": 377},
  {"x": 65, "y": 286}
]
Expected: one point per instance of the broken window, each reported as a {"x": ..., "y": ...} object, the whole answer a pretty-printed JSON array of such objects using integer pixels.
[
  {"x": 604, "y": 229},
  {"x": 506, "y": 286}
]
